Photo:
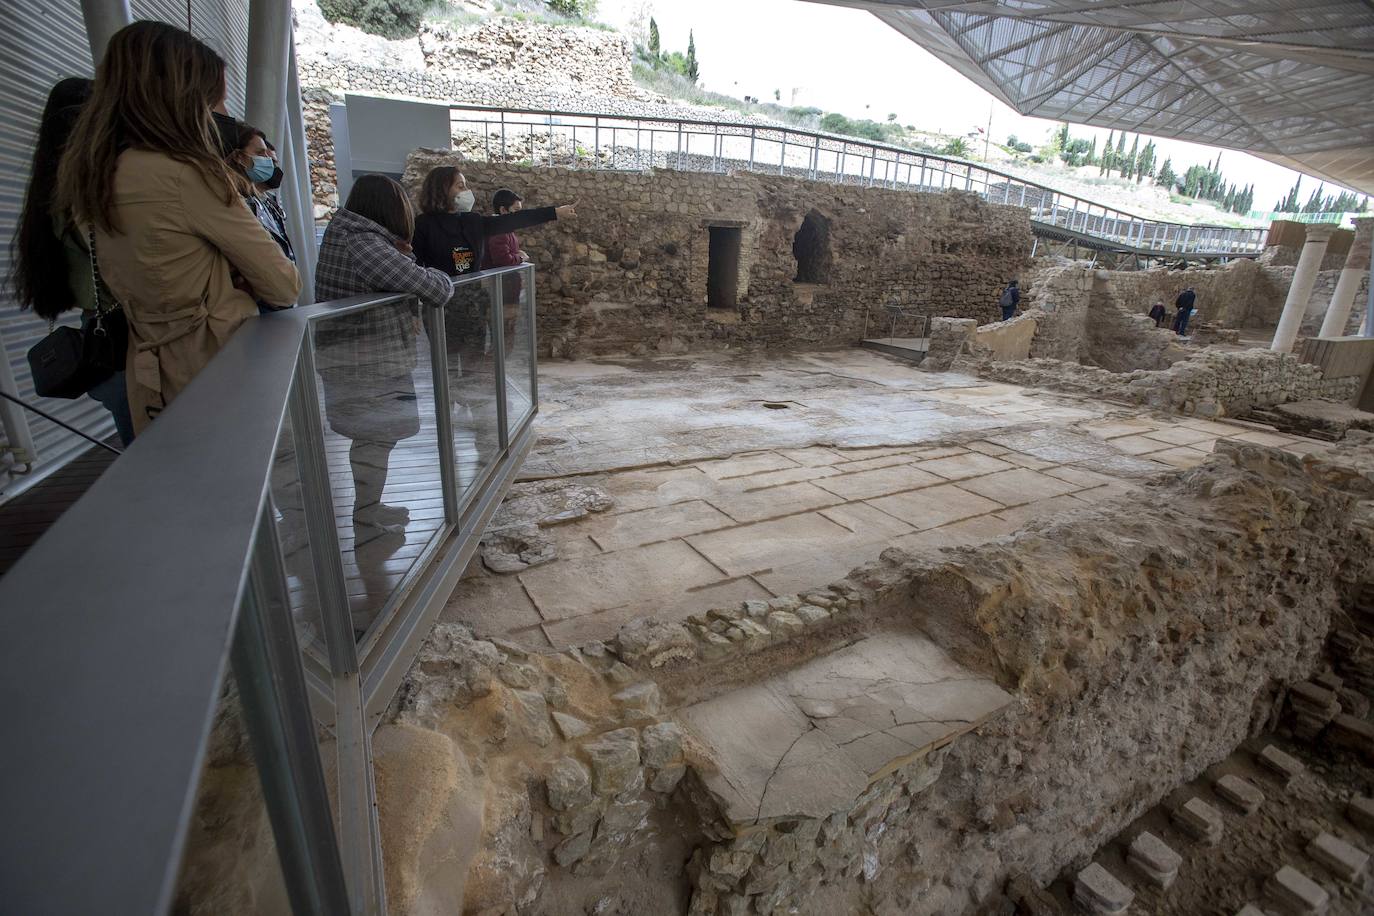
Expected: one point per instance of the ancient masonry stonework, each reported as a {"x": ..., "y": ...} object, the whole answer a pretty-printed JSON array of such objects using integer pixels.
[
  {"x": 1061, "y": 704},
  {"x": 630, "y": 273}
]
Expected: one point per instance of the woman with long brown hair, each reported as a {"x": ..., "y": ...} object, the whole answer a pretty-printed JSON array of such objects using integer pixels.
[{"x": 143, "y": 174}]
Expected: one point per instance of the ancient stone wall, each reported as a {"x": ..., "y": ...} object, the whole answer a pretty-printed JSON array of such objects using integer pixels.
[
  {"x": 1212, "y": 383},
  {"x": 1061, "y": 295},
  {"x": 630, "y": 273},
  {"x": 1008, "y": 340},
  {"x": 1120, "y": 338}
]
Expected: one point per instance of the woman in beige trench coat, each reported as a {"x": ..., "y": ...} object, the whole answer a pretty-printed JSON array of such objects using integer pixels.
[{"x": 142, "y": 168}]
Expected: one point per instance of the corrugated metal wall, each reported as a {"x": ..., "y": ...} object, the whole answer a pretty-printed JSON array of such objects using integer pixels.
[{"x": 41, "y": 42}]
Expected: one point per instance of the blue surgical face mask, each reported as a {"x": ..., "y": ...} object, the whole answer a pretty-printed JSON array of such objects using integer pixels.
[{"x": 261, "y": 169}]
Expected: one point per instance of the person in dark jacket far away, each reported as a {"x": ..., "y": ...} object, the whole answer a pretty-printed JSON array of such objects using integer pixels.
[
  {"x": 1158, "y": 313},
  {"x": 1184, "y": 304},
  {"x": 1011, "y": 297}
]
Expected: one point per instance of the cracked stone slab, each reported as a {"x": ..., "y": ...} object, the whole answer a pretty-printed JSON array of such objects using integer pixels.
[{"x": 807, "y": 742}]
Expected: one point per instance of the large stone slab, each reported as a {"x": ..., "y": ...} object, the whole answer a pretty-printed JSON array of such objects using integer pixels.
[
  {"x": 957, "y": 467},
  {"x": 1014, "y": 488},
  {"x": 807, "y": 742},
  {"x": 772, "y": 502},
  {"x": 769, "y": 545},
  {"x": 641, "y": 576},
  {"x": 648, "y": 526},
  {"x": 878, "y": 482},
  {"x": 935, "y": 506}
]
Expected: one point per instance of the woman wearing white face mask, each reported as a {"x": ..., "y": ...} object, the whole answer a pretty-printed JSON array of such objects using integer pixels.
[{"x": 449, "y": 236}]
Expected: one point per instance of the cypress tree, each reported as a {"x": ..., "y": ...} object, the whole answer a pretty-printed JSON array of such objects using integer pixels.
[
  {"x": 654, "y": 47},
  {"x": 692, "y": 70}
]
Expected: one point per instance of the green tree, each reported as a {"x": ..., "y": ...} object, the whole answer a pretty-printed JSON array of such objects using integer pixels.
[
  {"x": 1119, "y": 157},
  {"x": 576, "y": 9},
  {"x": 654, "y": 47},
  {"x": 1092, "y": 153},
  {"x": 1106, "y": 162},
  {"x": 1166, "y": 178},
  {"x": 777, "y": 95},
  {"x": 955, "y": 147},
  {"x": 693, "y": 71},
  {"x": 388, "y": 18},
  {"x": 1133, "y": 160}
]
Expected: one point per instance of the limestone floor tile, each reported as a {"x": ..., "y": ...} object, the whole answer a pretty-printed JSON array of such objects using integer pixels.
[
  {"x": 1211, "y": 426},
  {"x": 987, "y": 448},
  {"x": 740, "y": 465},
  {"x": 1020, "y": 516},
  {"x": 867, "y": 523},
  {"x": 939, "y": 451},
  {"x": 870, "y": 464},
  {"x": 808, "y": 741},
  {"x": 812, "y": 456},
  {"x": 778, "y": 478},
  {"x": 649, "y": 575},
  {"x": 771, "y": 502},
  {"x": 878, "y": 482},
  {"x": 958, "y": 467},
  {"x": 648, "y": 526},
  {"x": 572, "y": 631},
  {"x": 635, "y": 490},
  {"x": 978, "y": 530},
  {"x": 772, "y": 544},
  {"x": 1180, "y": 435},
  {"x": 1181, "y": 457},
  {"x": 1112, "y": 429},
  {"x": 1054, "y": 443},
  {"x": 822, "y": 568},
  {"x": 1119, "y": 465},
  {"x": 1082, "y": 476},
  {"x": 1026, "y": 461},
  {"x": 1022, "y": 485},
  {"x": 935, "y": 506},
  {"x": 490, "y": 604},
  {"x": 1308, "y": 447},
  {"x": 1259, "y": 438},
  {"x": 1138, "y": 445},
  {"x": 531, "y": 639}
]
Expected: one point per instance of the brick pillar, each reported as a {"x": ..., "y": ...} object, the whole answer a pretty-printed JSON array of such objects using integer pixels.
[
  {"x": 1356, "y": 269},
  {"x": 1309, "y": 262}
]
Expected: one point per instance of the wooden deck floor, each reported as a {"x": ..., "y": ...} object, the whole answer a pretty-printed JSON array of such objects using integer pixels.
[{"x": 24, "y": 518}]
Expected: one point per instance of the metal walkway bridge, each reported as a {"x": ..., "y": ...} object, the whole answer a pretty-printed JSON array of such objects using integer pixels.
[{"x": 581, "y": 140}]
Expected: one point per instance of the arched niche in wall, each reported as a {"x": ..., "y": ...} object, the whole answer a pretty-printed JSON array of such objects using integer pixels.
[{"x": 811, "y": 248}]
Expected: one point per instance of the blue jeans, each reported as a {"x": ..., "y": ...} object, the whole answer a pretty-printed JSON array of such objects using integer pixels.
[
  {"x": 114, "y": 397},
  {"x": 1181, "y": 322}
]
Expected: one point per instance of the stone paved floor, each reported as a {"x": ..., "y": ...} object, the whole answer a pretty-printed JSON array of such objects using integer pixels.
[{"x": 719, "y": 497}]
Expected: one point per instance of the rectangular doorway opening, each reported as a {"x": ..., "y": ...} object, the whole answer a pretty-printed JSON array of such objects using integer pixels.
[{"x": 722, "y": 267}]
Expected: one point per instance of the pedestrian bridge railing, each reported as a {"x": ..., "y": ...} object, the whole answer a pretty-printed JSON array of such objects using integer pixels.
[
  {"x": 225, "y": 538},
  {"x": 581, "y": 140}
]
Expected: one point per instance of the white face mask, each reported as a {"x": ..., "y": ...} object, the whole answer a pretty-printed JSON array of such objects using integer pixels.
[{"x": 463, "y": 201}]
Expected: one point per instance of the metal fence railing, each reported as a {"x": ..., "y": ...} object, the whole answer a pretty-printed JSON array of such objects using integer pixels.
[
  {"x": 578, "y": 140},
  {"x": 249, "y": 527}
]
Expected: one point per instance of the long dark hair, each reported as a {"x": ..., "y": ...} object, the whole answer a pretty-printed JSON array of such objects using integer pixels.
[
  {"x": 39, "y": 277},
  {"x": 384, "y": 201},
  {"x": 153, "y": 91}
]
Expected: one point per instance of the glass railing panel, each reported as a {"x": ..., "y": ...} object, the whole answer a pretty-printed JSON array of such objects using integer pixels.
[
  {"x": 519, "y": 333},
  {"x": 381, "y": 443},
  {"x": 286, "y": 512},
  {"x": 470, "y": 341}
]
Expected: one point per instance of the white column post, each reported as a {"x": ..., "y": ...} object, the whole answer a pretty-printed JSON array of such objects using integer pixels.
[
  {"x": 1356, "y": 269},
  {"x": 1304, "y": 277},
  {"x": 103, "y": 18},
  {"x": 269, "y": 41}
]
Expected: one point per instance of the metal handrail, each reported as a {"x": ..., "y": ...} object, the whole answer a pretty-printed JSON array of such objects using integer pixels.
[
  {"x": 1047, "y": 205},
  {"x": 122, "y": 620}
]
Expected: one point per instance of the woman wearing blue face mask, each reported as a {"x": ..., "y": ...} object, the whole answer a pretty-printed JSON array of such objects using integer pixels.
[{"x": 254, "y": 162}]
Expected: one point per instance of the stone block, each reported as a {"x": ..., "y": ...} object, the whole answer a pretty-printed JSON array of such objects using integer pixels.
[
  {"x": 642, "y": 701},
  {"x": 572, "y": 849},
  {"x": 660, "y": 744},
  {"x": 1281, "y": 764},
  {"x": 1361, "y": 812},
  {"x": 1153, "y": 858},
  {"x": 1200, "y": 821},
  {"x": 615, "y": 760},
  {"x": 812, "y": 614},
  {"x": 1099, "y": 891},
  {"x": 1352, "y": 734},
  {"x": 1344, "y": 860},
  {"x": 1296, "y": 892},
  {"x": 568, "y": 784},
  {"x": 1250, "y": 910},
  {"x": 1030, "y": 898},
  {"x": 652, "y": 643},
  {"x": 785, "y": 623},
  {"x": 666, "y": 779},
  {"x": 570, "y": 726},
  {"x": 1240, "y": 793}
]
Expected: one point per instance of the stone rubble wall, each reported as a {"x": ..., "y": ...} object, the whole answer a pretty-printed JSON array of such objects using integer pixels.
[
  {"x": 1061, "y": 295},
  {"x": 1210, "y": 384},
  {"x": 950, "y": 339},
  {"x": 1122, "y": 339},
  {"x": 630, "y": 273},
  {"x": 1001, "y": 341}
]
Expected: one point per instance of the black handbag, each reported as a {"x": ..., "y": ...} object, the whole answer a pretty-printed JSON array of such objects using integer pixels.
[{"x": 70, "y": 362}]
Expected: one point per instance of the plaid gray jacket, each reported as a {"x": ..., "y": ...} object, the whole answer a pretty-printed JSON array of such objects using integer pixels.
[{"x": 357, "y": 256}]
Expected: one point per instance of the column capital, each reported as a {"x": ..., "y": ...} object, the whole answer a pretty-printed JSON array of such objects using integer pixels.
[
  {"x": 1359, "y": 249},
  {"x": 1320, "y": 232}
]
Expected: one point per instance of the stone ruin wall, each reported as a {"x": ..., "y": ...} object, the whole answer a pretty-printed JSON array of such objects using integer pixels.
[
  {"x": 630, "y": 273},
  {"x": 559, "y": 784}
]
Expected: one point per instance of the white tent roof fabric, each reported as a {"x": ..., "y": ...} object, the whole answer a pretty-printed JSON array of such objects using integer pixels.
[{"x": 1287, "y": 80}]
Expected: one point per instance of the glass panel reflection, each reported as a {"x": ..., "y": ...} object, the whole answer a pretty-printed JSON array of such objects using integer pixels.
[
  {"x": 287, "y": 512},
  {"x": 518, "y": 332},
  {"x": 472, "y": 381},
  {"x": 382, "y": 446}
]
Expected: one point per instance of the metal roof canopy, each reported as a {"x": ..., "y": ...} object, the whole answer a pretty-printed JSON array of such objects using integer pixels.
[{"x": 1287, "y": 80}]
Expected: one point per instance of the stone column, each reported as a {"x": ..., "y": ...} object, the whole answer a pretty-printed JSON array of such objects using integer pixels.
[
  {"x": 1304, "y": 277},
  {"x": 1356, "y": 269}
]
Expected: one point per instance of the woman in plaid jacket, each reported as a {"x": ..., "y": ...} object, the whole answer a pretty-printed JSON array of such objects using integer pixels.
[{"x": 367, "y": 359}]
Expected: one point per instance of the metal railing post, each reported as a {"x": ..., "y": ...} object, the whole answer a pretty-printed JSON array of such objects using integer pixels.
[
  {"x": 503, "y": 136},
  {"x": 752, "y": 134},
  {"x": 782, "y": 157},
  {"x": 531, "y": 319},
  {"x": 596, "y": 142},
  {"x": 815, "y": 157},
  {"x": 443, "y": 410},
  {"x": 679, "y": 145},
  {"x": 498, "y": 343},
  {"x": 872, "y": 164}
]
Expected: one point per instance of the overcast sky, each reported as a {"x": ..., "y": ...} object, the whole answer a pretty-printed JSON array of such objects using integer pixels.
[{"x": 849, "y": 61}]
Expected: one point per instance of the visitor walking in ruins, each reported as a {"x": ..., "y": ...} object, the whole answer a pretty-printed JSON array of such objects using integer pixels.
[
  {"x": 1158, "y": 313},
  {"x": 1010, "y": 299},
  {"x": 1184, "y": 304},
  {"x": 367, "y": 359},
  {"x": 144, "y": 176}
]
